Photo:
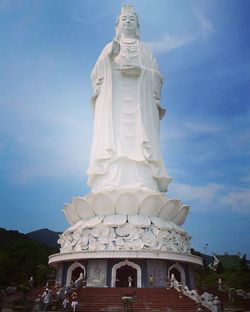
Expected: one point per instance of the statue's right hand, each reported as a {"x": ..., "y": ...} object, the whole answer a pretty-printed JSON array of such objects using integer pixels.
[{"x": 115, "y": 49}]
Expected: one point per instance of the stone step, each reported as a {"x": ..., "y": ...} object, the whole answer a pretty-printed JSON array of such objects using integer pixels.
[{"x": 109, "y": 300}]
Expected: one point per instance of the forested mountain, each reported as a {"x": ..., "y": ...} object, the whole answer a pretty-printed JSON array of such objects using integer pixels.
[
  {"x": 45, "y": 236},
  {"x": 22, "y": 257}
]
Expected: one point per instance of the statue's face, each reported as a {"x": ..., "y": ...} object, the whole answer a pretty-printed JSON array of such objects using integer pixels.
[{"x": 128, "y": 23}]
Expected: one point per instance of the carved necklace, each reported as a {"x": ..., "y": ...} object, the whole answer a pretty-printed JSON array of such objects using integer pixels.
[{"x": 128, "y": 40}]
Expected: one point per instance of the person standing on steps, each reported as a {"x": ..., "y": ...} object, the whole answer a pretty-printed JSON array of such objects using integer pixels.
[{"x": 74, "y": 302}]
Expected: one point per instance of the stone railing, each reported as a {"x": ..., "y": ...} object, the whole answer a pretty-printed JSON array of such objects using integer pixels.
[{"x": 207, "y": 300}]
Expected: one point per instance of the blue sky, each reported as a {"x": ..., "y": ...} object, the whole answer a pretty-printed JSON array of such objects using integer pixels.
[{"x": 47, "y": 51}]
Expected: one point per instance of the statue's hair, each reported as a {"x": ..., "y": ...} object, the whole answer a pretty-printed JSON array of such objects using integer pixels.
[{"x": 127, "y": 8}]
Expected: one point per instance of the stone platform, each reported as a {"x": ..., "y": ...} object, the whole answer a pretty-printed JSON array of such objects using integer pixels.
[{"x": 117, "y": 234}]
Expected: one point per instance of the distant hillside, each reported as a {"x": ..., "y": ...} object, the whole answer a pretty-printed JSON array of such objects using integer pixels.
[
  {"x": 22, "y": 257},
  {"x": 45, "y": 236}
]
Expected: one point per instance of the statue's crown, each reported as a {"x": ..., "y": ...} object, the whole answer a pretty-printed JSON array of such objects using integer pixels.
[{"x": 128, "y": 8}]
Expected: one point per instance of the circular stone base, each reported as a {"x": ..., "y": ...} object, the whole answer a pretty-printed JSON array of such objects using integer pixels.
[
  {"x": 107, "y": 254},
  {"x": 113, "y": 268}
]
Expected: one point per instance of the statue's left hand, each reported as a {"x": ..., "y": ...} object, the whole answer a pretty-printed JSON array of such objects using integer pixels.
[{"x": 115, "y": 49}]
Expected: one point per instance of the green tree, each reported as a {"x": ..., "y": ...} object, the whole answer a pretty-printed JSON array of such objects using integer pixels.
[
  {"x": 220, "y": 268},
  {"x": 20, "y": 258}
]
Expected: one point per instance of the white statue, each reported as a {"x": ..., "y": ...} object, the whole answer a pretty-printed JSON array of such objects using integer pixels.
[
  {"x": 174, "y": 283},
  {"x": 79, "y": 281},
  {"x": 130, "y": 280},
  {"x": 127, "y": 85},
  {"x": 126, "y": 210}
]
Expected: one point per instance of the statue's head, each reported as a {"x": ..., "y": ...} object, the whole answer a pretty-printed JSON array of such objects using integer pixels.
[{"x": 127, "y": 22}]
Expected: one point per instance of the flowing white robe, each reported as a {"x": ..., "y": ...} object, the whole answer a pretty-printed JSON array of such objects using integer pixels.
[{"x": 125, "y": 151}]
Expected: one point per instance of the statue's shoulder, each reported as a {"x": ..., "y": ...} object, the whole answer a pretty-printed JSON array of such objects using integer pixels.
[
  {"x": 145, "y": 47},
  {"x": 107, "y": 47},
  {"x": 106, "y": 50}
]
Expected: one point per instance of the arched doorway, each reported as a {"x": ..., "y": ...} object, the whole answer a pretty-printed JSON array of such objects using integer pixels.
[
  {"x": 122, "y": 275},
  {"x": 74, "y": 271},
  {"x": 178, "y": 272},
  {"x": 121, "y": 272}
]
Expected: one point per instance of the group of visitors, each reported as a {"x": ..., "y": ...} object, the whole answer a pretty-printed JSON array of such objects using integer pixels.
[{"x": 61, "y": 296}]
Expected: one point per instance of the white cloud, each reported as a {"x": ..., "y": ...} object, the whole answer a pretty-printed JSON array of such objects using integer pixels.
[
  {"x": 203, "y": 127},
  {"x": 238, "y": 142},
  {"x": 23, "y": 173},
  {"x": 202, "y": 196},
  {"x": 62, "y": 153},
  {"x": 206, "y": 25},
  {"x": 214, "y": 196},
  {"x": 48, "y": 142},
  {"x": 173, "y": 131},
  {"x": 239, "y": 200},
  {"x": 77, "y": 17},
  {"x": 246, "y": 179},
  {"x": 181, "y": 129},
  {"x": 167, "y": 43},
  {"x": 222, "y": 137}
]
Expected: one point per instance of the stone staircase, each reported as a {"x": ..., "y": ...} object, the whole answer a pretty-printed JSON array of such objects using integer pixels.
[
  {"x": 146, "y": 299},
  {"x": 109, "y": 300}
]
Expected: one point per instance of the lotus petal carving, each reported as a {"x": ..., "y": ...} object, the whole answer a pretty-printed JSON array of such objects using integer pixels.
[
  {"x": 100, "y": 230},
  {"x": 176, "y": 227},
  {"x": 151, "y": 205},
  {"x": 180, "y": 218},
  {"x": 138, "y": 205},
  {"x": 92, "y": 222},
  {"x": 155, "y": 230},
  {"x": 70, "y": 214},
  {"x": 115, "y": 220},
  {"x": 127, "y": 204},
  {"x": 137, "y": 244},
  {"x": 149, "y": 238},
  {"x": 139, "y": 220},
  {"x": 103, "y": 205},
  {"x": 73, "y": 227},
  {"x": 161, "y": 235},
  {"x": 128, "y": 232},
  {"x": 161, "y": 224},
  {"x": 119, "y": 241},
  {"x": 77, "y": 234},
  {"x": 164, "y": 236},
  {"x": 170, "y": 209},
  {"x": 99, "y": 246},
  {"x": 112, "y": 233},
  {"x": 83, "y": 208}
]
